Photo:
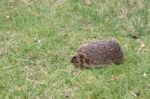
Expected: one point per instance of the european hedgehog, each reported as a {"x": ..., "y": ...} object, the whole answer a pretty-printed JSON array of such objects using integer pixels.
[{"x": 98, "y": 54}]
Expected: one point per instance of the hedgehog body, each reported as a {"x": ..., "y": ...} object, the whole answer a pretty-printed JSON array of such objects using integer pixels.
[{"x": 98, "y": 54}]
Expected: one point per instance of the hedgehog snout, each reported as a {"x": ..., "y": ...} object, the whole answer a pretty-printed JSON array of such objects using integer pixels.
[{"x": 75, "y": 60}]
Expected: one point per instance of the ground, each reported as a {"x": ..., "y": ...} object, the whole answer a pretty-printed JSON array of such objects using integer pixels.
[{"x": 38, "y": 38}]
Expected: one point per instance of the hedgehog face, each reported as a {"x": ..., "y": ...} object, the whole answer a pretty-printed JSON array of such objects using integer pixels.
[
  {"x": 80, "y": 61},
  {"x": 76, "y": 61}
]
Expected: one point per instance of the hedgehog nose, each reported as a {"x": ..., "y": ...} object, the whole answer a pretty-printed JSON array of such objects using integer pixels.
[{"x": 72, "y": 59}]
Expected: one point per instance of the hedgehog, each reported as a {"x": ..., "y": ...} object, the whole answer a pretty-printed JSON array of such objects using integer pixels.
[{"x": 98, "y": 54}]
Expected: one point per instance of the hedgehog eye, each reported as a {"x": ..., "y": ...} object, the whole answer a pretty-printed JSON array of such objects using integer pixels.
[{"x": 87, "y": 61}]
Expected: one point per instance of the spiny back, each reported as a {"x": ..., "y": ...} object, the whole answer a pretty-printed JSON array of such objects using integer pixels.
[{"x": 103, "y": 52}]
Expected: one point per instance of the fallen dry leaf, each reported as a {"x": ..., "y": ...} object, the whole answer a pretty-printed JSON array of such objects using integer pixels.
[
  {"x": 147, "y": 85},
  {"x": 134, "y": 35},
  {"x": 26, "y": 2},
  {"x": 7, "y": 17},
  {"x": 88, "y": 2},
  {"x": 114, "y": 78},
  {"x": 136, "y": 93},
  {"x": 142, "y": 45},
  {"x": 144, "y": 74}
]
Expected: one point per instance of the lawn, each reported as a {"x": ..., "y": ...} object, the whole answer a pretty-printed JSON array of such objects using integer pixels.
[{"x": 38, "y": 37}]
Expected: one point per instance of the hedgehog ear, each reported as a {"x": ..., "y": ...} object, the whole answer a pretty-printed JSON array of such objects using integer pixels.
[
  {"x": 82, "y": 55},
  {"x": 73, "y": 59}
]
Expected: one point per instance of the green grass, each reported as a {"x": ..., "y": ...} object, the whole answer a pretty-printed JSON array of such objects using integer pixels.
[{"x": 37, "y": 39}]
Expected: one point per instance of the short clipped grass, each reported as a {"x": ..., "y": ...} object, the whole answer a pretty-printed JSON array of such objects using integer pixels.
[{"x": 38, "y": 37}]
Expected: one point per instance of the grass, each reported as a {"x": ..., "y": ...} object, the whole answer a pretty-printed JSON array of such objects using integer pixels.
[{"x": 37, "y": 38}]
